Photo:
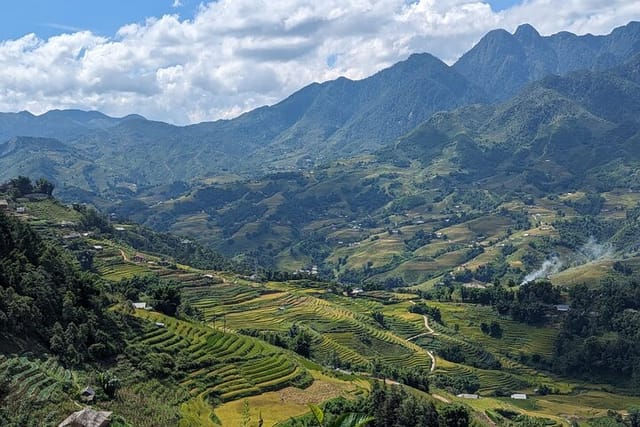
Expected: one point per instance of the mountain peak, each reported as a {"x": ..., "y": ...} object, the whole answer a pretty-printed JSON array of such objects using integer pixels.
[{"x": 526, "y": 32}]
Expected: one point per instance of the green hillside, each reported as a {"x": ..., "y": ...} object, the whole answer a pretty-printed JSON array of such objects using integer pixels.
[{"x": 273, "y": 346}]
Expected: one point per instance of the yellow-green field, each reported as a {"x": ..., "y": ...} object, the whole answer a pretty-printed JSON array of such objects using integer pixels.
[{"x": 281, "y": 405}]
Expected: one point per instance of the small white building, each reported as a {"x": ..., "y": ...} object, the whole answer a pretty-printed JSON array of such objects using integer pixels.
[
  {"x": 519, "y": 396},
  {"x": 468, "y": 396},
  {"x": 140, "y": 305}
]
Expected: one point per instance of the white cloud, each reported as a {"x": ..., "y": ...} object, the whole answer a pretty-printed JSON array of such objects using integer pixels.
[
  {"x": 235, "y": 55},
  {"x": 176, "y": 3}
]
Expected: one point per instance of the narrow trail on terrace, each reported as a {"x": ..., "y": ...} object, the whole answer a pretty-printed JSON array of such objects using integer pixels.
[{"x": 429, "y": 332}]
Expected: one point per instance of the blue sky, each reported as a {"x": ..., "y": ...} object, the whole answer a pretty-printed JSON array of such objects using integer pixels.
[{"x": 102, "y": 17}]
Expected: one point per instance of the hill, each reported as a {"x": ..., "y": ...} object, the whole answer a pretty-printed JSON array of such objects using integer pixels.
[
  {"x": 235, "y": 347},
  {"x": 320, "y": 121},
  {"x": 451, "y": 193}
]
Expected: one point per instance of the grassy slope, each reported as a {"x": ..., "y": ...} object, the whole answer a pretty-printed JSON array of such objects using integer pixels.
[{"x": 250, "y": 369}]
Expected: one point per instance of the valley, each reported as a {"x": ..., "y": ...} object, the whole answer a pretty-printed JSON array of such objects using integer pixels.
[
  {"x": 433, "y": 244},
  {"x": 224, "y": 351}
]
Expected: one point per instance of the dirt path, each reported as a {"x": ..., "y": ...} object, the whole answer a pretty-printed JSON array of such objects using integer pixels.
[
  {"x": 433, "y": 361},
  {"x": 485, "y": 418},
  {"x": 440, "y": 398},
  {"x": 430, "y": 332},
  {"x": 426, "y": 325},
  {"x": 124, "y": 256}
]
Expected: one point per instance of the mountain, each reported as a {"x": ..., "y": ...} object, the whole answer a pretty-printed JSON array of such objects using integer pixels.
[
  {"x": 503, "y": 63},
  {"x": 116, "y": 158},
  {"x": 321, "y": 121},
  {"x": 60, "y": 124},
  {"x": 575, "y": 135},
  {"x": 558, "y": 134}
]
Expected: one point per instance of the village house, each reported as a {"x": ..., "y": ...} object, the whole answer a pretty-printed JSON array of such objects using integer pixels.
[
  {"x": 468, "y": 396},
  {"x": 87, "y": 418},
  {"x": 88, "y": 394},
  {"x": 519, "y": 396},
  {"x": 138, "y": 258},
  {"x": 4, "y": 205}
]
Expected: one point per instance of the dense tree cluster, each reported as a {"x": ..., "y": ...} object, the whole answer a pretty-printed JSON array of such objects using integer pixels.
[
  {"x": 44, "y": 296},
  {"x": 600, "y": 337},
  {"x": 22, "y": 185},
  {"x": 530, "y": 303},
  {"x": 422, "y": 308},
  {"x": 391, "y": 406}
]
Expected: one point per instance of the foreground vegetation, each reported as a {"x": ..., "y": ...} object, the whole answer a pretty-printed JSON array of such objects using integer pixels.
[{"x": 221, "y": 348}]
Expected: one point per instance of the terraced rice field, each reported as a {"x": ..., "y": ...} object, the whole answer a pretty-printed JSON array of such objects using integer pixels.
[
  {"x": 35, "y": 380},
  {"x": 341, "y": 327},
  {"x": 227, "y": 365}
]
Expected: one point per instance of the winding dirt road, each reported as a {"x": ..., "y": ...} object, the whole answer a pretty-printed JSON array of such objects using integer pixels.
[{"x": 429, "y": 332}]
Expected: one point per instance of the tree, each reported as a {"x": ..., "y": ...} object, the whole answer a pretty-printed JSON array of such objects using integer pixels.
[
  {"x": 454, "y": 415},
  {"x": 166, "y": 298},
  {"x": 246, "y": 416},
  {"x": 21, "y": 186},
  {"x": 44, "y": 186},
  {"x": 378, "y": 316},
  {"x": 301, "y": 343},
  {"x": 495, "y": 330},
  {"x": 344, "y": 420},
  {"x": 634, "y": 417},
  {"x": 109, "y": 383}
]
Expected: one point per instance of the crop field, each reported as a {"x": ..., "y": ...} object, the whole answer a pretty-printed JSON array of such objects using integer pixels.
[
  {"x": 43, "y": 382},
  {"x": 290, "y": 402},
  {"x": 343, "y": 327},
  {"x": 51, "y": 211},
  {"x": 592, "y": 272},
  {"x": 228, "y": 366},
  {"x": 34, "y": 380},
  {"x": 347, "y": 331}
]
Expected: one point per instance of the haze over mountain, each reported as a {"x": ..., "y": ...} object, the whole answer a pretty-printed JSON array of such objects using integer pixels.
[
  {"x": 319, "y": 123},
  {"x": 574, "y": 133}
]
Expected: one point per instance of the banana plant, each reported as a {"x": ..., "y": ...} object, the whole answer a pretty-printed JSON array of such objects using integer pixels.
[{"x": 344, "y": 420}]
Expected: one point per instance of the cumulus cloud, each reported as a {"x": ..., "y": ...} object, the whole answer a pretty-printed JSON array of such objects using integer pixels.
[{"x": 235, "y": 55}]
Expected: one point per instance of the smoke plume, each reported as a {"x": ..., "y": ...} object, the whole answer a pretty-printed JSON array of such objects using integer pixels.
[
  {"x": 589, "y": 252},
  {"x": 549, "y": 267},
  {"x": 593, "y": 251}
]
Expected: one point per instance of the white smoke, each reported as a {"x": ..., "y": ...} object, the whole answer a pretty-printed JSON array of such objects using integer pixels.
[
  {"x": 589, "y": 252},
  {"x": 594, "y": 251},
  {"x": 549, "y": 267}
]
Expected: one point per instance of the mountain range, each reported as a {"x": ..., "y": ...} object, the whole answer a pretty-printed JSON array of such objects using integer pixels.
[{"x": 89, "y": 153}]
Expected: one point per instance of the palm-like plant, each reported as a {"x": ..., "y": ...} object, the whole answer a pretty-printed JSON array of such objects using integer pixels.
[{"x": 344, "y": 420}]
